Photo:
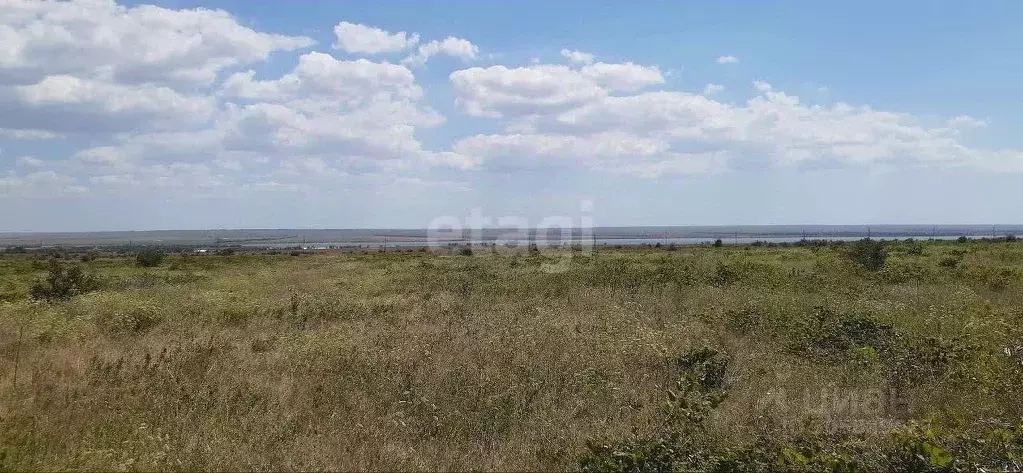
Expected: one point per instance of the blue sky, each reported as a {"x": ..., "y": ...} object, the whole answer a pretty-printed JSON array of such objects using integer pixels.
[{"x": 322, "y": 114}]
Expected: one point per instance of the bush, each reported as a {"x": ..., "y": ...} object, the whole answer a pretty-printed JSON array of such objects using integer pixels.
[
  {"x": 914, "y": 249},
  {"x": 853, "y": 334},
  {"x": 718, "y": 243},
  {"x": 869, "y": 253},
  {"x": 149, "y": 258},
  {"x": 700, "y": 388},
  {"x": 63, "y": 282},
  {"x": 133, "y": 320},
  {"x": 682, "y": 443},
  {"x": 465, "y": 251},
  {"x": 949, "y": 262}
]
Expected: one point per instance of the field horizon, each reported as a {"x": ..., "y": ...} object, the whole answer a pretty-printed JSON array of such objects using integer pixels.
[{"x": 679, "y": 234}]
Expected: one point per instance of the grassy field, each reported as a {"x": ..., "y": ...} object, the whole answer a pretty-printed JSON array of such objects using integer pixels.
[{"x": 739, "y": 358}]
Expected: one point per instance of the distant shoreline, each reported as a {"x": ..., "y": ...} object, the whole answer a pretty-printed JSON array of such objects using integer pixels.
[{"x": 405, "y": 237}]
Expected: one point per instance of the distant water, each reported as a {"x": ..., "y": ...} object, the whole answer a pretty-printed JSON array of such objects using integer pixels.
[{"x": 416, "y": 237}]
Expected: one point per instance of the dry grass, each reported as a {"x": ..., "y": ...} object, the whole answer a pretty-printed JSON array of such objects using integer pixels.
[{"x": 412, "y": 361}]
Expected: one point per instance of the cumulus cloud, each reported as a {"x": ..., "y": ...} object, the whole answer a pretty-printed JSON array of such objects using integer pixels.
[
  {"x": 153, "y": 98},
  {"x": 361, "y": 39},
  {"x": 966, "y": 121},
  {"x": 613, "y": 152},
  {"x": 627, "y": 77},
  {"x": 141, "y": 44},
  {"x": 321, "y": 76},
  {"x": 163, "y": 99},
  {"x": 727, "y": 60},
  {"x": 93, "y": 66},
  {"x": 656, "y": 132},
  {"x": 711, "y": 89},
  {"x": 63, "y": 103},
  {"x": 451, "y": 46},
  {"x": 578, "y": 57},
  {"x": 499, "y": 91},
  {"x": 40, "y": 184},
  {"x": 28, "y": 162}
]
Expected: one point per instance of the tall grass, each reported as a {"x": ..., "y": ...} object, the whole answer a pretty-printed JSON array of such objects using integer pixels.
[{"x": 413, "y": 361}]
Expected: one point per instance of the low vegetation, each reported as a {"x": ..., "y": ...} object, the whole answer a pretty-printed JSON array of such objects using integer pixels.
[
  {"x": 816, "y": 356},
  {"x": 149, "y": 258}
]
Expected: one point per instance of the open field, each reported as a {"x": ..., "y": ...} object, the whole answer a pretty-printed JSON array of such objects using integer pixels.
[{"x": 738, "y": 358}]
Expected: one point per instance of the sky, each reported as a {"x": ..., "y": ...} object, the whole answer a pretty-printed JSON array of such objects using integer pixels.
[{"x": 359, "y": 114}]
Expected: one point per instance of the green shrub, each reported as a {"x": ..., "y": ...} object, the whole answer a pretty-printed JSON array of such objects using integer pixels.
[
  {"x": 63, "y": 282},
  {"x": 682, "y": 443},
  {"x": 869, "y": 253},
  {"x": 149, "y": 258},
  {"x": 949, "y": 262},
  {"x": 853, "y": 334},
  {"x": 914, "y": 249},
  {"x": 679, "y": 445},
  {"x": 724, "y": 274},
  {"x": 138, "y": 319}
]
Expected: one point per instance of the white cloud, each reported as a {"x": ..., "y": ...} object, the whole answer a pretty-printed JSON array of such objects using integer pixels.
[
  {"x": 322, "y": 77},
  {"x": 63, "y": 103},
  {"x": 499, "y": 91},
  {"x": 324, "y": 120},
  {"x": 711, "y": 89},
  {"x": 361, "y": 39},
  {"x": 966, "y": 121},
  {"x": 140, "y": 44},
  {"x": 29, "y": 162},
  {"x": 92, "y": 66},
  {"x": 653, "y": 132},
  {"x": 152, "y": 98},
  {"x": 102, "y": 156},
  {"x": 727, "y": 60},
  {"x": 451, "y": 46},
  {"x": 40, "y": 184},
  {"x": 578, "y": 57},
  {"x": 28, "y": 134},
  {"x": 627, "y": 77},
  {"x": 612, "y": 152}
]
